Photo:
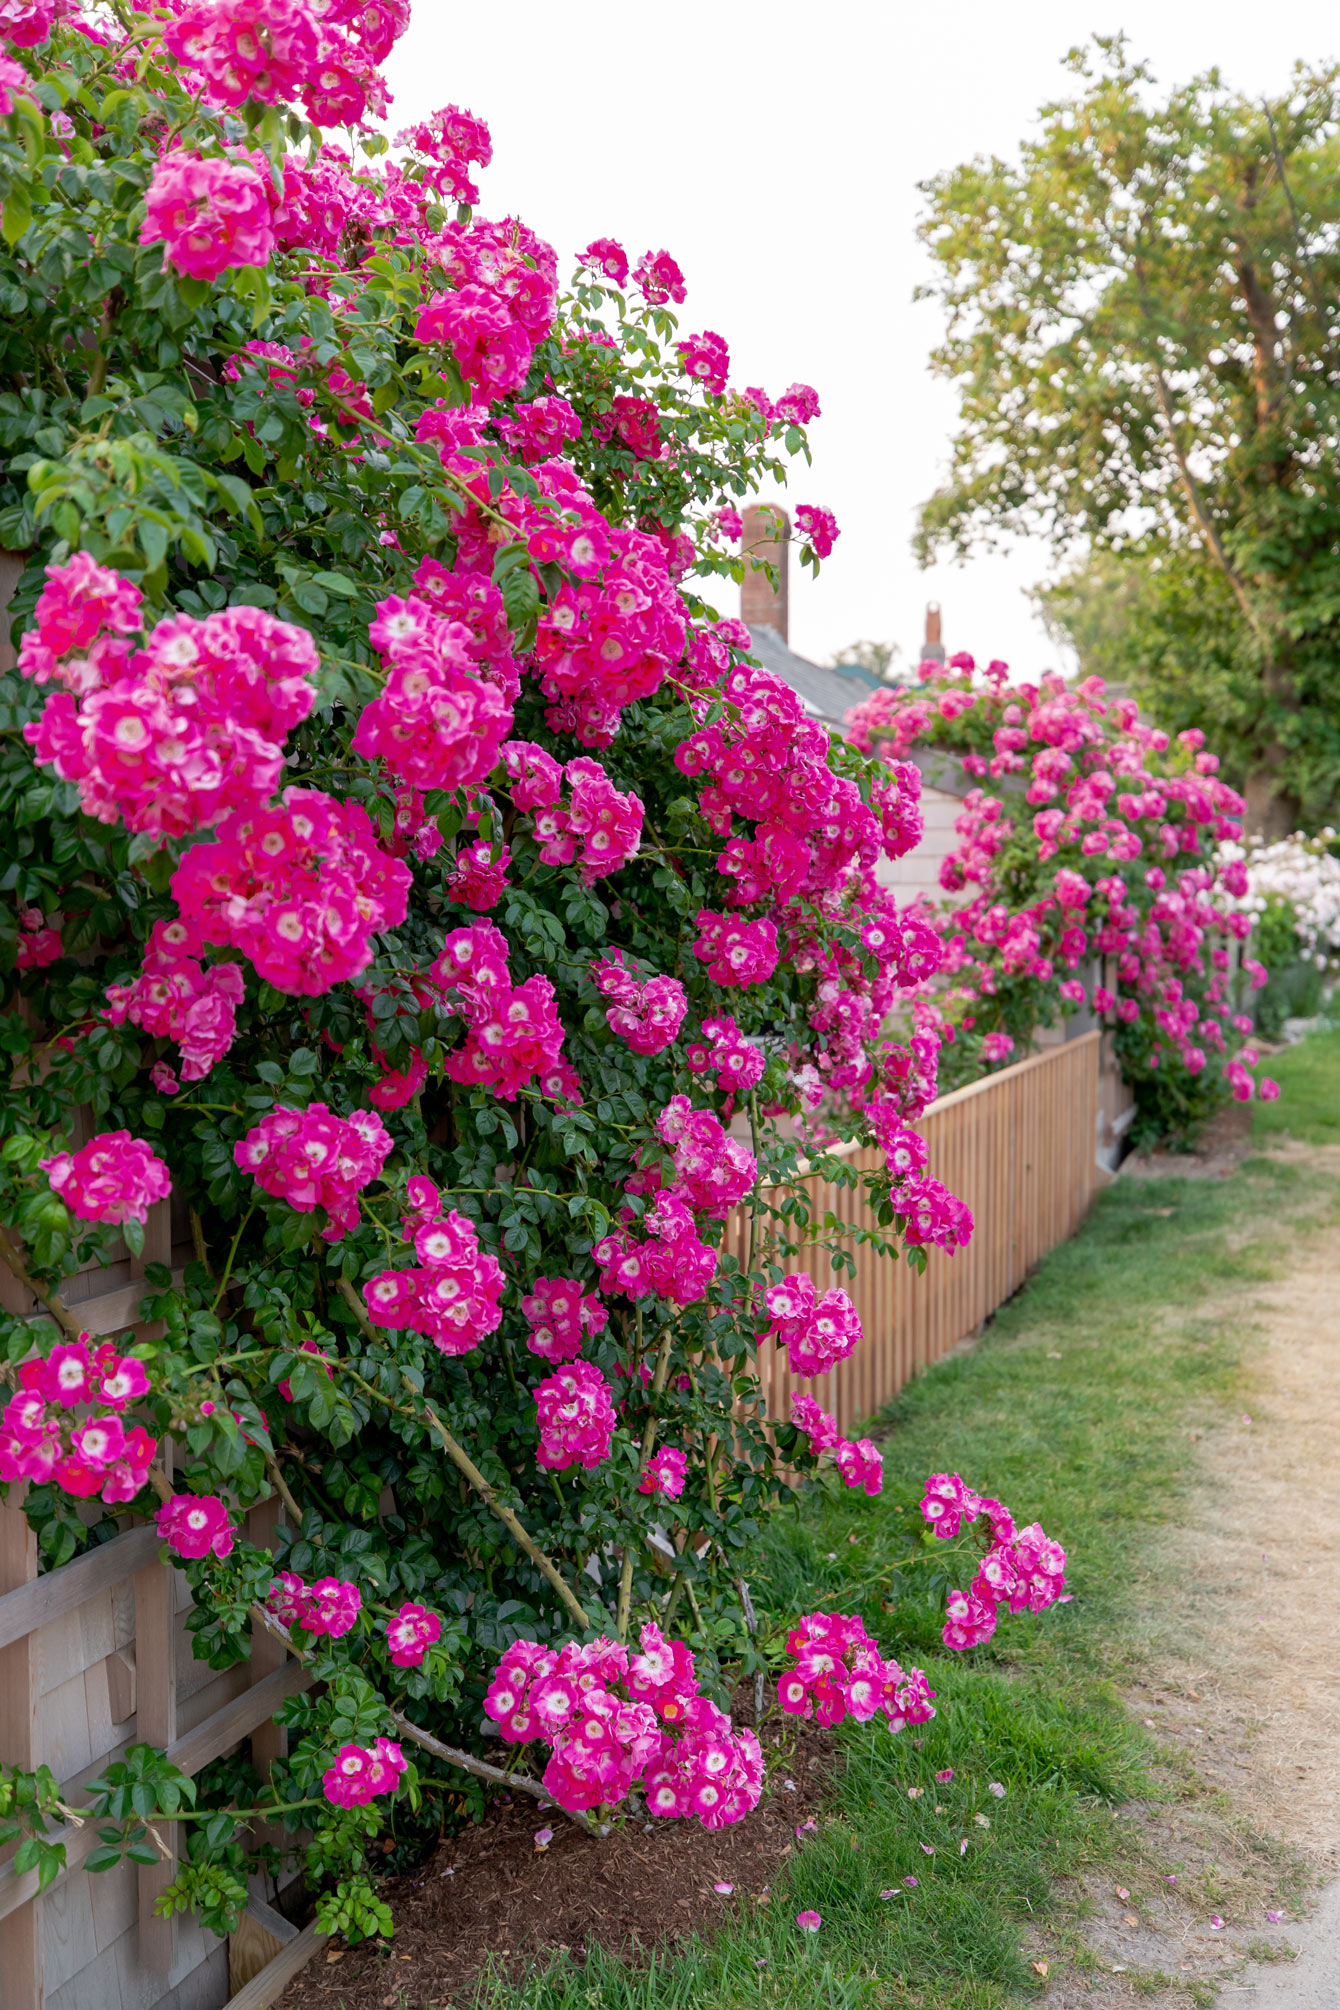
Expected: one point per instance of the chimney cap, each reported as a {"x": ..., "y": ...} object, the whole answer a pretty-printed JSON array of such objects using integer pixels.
[{"x": 933, "y": 649}]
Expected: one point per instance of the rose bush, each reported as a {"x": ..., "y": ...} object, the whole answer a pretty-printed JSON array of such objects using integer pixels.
[
  {"x": 413, "y": 886},
  {"x": 1092, "y": 871},
  {"x": 1292, "y": 895}
]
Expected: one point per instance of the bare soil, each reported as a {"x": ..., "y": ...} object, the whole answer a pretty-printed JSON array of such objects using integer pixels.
[{"x": 490, "y": 1891}]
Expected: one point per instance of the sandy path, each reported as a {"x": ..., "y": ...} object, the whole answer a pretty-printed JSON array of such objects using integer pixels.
[
  {"x": 1264, "y": 1553},
  {"x": 1243, "y": 1674}
]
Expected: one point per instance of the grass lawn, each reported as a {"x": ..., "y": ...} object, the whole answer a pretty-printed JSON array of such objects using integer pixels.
[
  {"x": 1074, "y": 1408},
  {"x": 1309, "y": 1106}
]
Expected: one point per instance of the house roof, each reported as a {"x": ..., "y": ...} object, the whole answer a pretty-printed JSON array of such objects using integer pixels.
[{"x": 826, "y": 694}]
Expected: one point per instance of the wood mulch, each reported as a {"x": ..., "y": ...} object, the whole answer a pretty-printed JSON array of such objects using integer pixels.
[{"x": 489, "y": 1891}]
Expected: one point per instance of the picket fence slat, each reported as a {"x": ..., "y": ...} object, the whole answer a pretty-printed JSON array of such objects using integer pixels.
[{"x": 1020, "y": 1148}]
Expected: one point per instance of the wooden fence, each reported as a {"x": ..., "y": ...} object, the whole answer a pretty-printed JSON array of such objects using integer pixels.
[
  {"x": 1019, "y": 1148},
  {"x": 95, "y": 1656}
]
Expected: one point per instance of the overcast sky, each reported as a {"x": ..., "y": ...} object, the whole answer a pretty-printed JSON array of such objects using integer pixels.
[{"x": 775, "y": 150}]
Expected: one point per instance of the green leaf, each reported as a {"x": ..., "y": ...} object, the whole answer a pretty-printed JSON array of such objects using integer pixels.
[{"x": 17, "y": 213}]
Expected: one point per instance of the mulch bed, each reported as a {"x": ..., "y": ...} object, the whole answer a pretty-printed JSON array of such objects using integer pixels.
[
  {"x": 1220, "y": 1150},
  {"x": 490, "y": 1891}
]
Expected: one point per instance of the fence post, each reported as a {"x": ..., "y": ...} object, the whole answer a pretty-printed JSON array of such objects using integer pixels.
[
  {"x": 21, "y": 1931},
  {"x": 156, "y": 1724}
]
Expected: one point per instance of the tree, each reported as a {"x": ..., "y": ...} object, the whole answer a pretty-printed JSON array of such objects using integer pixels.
[
  {"x": 876, "y": 657},
  {"x": 1142, "y": 319}
]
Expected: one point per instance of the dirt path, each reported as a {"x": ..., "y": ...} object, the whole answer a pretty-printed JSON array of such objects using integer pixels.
[
  {"x": 1265, "y": 1553},
  {"x": 1244, "y": 1685}
]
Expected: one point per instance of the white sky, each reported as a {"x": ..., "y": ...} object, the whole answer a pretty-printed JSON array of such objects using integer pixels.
[{"x": 775, "y": 151}]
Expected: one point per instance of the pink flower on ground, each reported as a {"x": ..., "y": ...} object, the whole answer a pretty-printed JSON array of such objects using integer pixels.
[
  {"x": 114, "y": 1178},
  {"x": 195, "y": 1525},
  {"x": 210, "y": 215},
  {"x": 808, "y": 1922}
]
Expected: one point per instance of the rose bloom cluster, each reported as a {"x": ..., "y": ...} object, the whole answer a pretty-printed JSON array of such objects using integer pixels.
[
  {"x": 176, "y": 997},
  {"x": 818, "y": 527},
  {"x": 840, "y": 1672},
  {"x": 712, "y": 1174},
  {"x": 560, "y": 1316},
  {"x": 437, "y": 723},
  {"x": 38, "y": 941},
  {"x": 452, "y": 1295},
  {"x": 240, "y": 50},
  {"x": 168, "y": 736},
  {"x": 360, "y": 1772},
  {"x": 813, "y": 840},
  {"x": 858, "y": 1460},
  {"x": 43, "y": 1438},
  {"x": 645, "y": 1012},
  {"x": 114, "y": 1178},
  {"x": 311, "y": 1158},
  {"x": 501, "y": 304},
  {"x": 195, "y": 1525},
  {"x": 513, "y": 1033},
  {"x": 615, "y": 627},
  {"x": 665, "y": 1472},
  {"x": 214, "y": 213},
  {"x": 329, "y": 1607},
  {"x": 300, "y": 889},
  {"x": 1122, "y": 832},
  {"x": 599, "y": 828},
  {"x": 817, "y": 1329},
  {"x": 723, "y": 1051},
  {"x": 479, "y": 877},
  {"x": 928, "y": 1213},
  {"x": 410, "y": 1633},
  {"x": 575, "y": 1414},
  {"x": 603, "y": 1742},
  {"x": 1021, "y": 1568}
]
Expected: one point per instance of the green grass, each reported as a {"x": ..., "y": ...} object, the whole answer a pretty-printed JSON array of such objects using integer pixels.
[
  {"x": 1309, "y": 1105},
  {"x": 1142, "y": 1310}
]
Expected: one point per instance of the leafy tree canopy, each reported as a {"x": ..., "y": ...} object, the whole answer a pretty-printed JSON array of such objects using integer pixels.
[{"x": 1142, "y": 321}]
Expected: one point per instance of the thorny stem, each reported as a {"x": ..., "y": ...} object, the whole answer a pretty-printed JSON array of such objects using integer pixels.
[
  {"x": 425, "y": 1739},
  {"x": 648, "y": 1443},
  {"x": 464, "y": 1464},
  {"x": 52, "y": 1300},
  {"x": 280, "y": 1485},
  {"x": 198, "y": 1240},
  {"x": 228, "y": 1266}
]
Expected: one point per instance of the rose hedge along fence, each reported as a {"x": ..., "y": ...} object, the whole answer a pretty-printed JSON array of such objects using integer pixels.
[
  {"x": 1089, "y": 836},
  {"x": 409, "y": 876}
]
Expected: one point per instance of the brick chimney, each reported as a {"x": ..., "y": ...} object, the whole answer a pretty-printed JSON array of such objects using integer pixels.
[
  {"x": 933, "y": 649},
  {"x": 760, "y": 605}
]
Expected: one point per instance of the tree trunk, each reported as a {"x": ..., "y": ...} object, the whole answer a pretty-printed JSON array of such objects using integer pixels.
[{"x": 1272, "y": 812}]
